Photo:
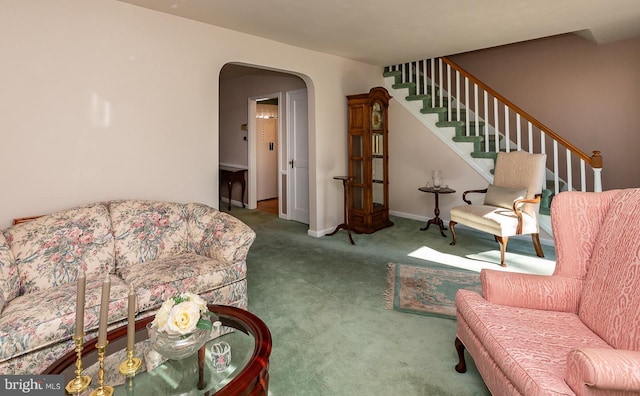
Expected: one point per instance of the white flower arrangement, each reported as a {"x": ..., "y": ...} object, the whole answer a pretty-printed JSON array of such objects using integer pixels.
[{"x": 182, "y": 314}]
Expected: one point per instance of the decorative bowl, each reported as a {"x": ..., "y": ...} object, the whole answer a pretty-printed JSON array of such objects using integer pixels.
[{"x": 176, "y": 347}]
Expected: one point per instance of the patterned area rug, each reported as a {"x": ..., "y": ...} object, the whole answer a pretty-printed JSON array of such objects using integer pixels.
[{"x": 426, "y": 290}]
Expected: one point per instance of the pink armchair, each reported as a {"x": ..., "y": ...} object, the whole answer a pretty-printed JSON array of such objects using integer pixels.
[{"x": 576, "y": 331}]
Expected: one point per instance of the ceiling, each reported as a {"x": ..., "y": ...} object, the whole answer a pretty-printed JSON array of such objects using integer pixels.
[{"x": 396, "y": 31}]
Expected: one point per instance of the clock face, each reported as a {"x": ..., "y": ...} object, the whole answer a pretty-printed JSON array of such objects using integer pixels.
[{"x": 376, "y": 116}]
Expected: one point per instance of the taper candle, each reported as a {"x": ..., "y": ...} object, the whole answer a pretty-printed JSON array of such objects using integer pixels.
[
  {"x": 131, "y": 321},
  {"x": 82, "y": 284},
  {"x": 104, "y": 312}
]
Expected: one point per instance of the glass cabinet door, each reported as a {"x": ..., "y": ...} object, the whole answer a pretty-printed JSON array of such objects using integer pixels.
[
  {"x": 357, "y": 172},
  {"x": 377, "y": 169}
]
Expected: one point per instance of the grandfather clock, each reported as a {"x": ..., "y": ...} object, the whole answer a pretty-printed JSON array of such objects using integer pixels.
[{"x": 368, "y": 161}]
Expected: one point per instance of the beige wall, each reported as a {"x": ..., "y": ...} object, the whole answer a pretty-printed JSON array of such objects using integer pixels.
[
  {"x": 587, "y": 93},
  {"x": 413, "y": 152},
  {"x": 103, "y": 100}
]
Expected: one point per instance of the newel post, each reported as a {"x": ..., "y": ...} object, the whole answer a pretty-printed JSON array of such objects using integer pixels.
[{"x": 596, "y": 164}]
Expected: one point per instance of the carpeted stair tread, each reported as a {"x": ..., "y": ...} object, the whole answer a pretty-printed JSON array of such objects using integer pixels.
[
  {"x": 396, "y": 74},
  {"x": 484, "y": 154},
  {"x": 445, "y": 124},
  {"x": 418, "y": 97},
  {"x": 409, "y": 85},
  {"x": 472, "y": 138},
  {"x": 433, "y": 110}
]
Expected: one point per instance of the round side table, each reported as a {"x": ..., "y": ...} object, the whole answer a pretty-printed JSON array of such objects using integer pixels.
[{"x": 436, "y": 220}]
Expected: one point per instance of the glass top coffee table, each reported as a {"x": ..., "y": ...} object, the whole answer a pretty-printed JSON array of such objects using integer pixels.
[{"x": 247, "y": 374}]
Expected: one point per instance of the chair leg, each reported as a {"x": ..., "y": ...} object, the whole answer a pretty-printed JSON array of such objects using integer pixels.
[
  {"x": 452, "y": 224},
  {"x": 536, "y": 245},
  {"x": 461, "y": 367},
  {"x": 503, "y": 248}
]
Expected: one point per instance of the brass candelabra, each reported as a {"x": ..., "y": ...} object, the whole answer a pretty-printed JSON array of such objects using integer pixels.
[
  {"x": 131, "y": 365},
  {"x": 102, "y": 390},
  {"x": 80, "y": 382}
]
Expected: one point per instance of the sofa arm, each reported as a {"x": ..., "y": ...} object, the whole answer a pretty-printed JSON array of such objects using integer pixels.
[
  {"x": 592, "y": 371},
  {"x": 551, "y": 293},
  {"x": 217, "y": 234}
]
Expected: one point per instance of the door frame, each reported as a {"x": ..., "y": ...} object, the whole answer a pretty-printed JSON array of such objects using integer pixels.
[{"x": 252, "y": 182}]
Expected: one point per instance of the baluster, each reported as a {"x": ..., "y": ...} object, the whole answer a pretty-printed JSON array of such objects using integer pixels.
[
  {"x": 556, "y": 168},
  {"x": 530, "y": 137},
  {"x": 496, "y": 121},
  {"x": 448, "y": 92},
  {"x": 424, "y": 77},
  {"x": 475, "y": 108},
  {"x": 441, "y": 82},
  {"x": 467, "y": 119},
  {"x": 518, "y": 132},
  {"x": 458, "y": 99},
  {"x": 433, "y": 82},
  {"x": 486, "y": 118},
  {"x": 507, "y": 136},
  {"x": 569, "y": 170},
  {"x": 583, "y": 176}
]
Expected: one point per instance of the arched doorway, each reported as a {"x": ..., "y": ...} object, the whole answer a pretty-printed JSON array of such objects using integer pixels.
[{"x": 242, "y": 90}]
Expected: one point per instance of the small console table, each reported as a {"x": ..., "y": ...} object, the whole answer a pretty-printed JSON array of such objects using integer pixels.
[
  {"x": 346, "y": 180},
  {"x": 436, "y": 220},
  {"x": 232, "y": 175}
]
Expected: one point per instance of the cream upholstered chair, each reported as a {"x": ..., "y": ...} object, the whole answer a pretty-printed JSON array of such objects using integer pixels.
[{"x": 511, "y": 203}]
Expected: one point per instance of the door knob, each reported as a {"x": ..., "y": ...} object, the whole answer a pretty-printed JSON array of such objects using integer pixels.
[{"x": 291, "y": 163}]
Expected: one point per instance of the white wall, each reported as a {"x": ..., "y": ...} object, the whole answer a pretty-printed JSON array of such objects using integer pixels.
[{"x": 103, "y": 100}]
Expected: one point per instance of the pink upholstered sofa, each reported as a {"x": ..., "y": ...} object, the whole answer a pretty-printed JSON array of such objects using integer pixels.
[{"x": 576, "y": 331}]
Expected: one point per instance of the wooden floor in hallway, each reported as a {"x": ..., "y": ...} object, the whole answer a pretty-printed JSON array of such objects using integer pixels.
[{"x": 269, "y": 205}]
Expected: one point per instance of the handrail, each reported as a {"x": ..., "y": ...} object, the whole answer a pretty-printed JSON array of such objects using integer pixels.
[{"x": 595, "y": 161}]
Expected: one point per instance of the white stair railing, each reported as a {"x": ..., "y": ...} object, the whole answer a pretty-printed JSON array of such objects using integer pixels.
[{"x": 440, "y": 77}]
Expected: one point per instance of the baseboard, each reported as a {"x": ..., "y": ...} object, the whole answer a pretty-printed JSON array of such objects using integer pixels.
[
  {"x": 411, "y": 216},
  {"x": 225, "y": 201}
]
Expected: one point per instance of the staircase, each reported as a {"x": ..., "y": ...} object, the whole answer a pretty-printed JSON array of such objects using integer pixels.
[{"x": 476, "y": 123}]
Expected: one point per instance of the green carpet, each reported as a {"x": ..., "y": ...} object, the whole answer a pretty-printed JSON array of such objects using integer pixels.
[
  {"x": 427, "y": 291},
  {"x": 322, "y": 299}
]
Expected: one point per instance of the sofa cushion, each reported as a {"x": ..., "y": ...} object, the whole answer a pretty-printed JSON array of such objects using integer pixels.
[
  {"x": 610, "y": 303},
  {"x": 492, "y": 219},
  {"x": 158, "y": 280},
  {"x": 50, "y": 250},
  {"x": 9, "y": 278},
  {"x": 530, "y": 345},
  {"x": 46, "y": 317},
  {"x": 147, "y": 230}
]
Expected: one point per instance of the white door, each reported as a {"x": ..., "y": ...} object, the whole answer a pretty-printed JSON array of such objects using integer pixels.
[
  {"x": 267, "y": 158},
  {"x": 297, "y": 156}
]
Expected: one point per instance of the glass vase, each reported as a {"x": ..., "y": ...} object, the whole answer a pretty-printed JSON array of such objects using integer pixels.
[{"x": 177, "y": 346}]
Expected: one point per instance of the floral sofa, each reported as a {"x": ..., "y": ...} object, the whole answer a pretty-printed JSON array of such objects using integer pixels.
[
  {"x": 576, "y": 331},
  {"x": 160, "y": 248}
]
